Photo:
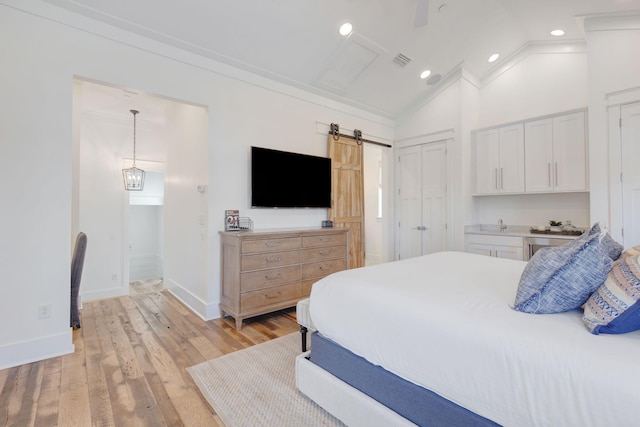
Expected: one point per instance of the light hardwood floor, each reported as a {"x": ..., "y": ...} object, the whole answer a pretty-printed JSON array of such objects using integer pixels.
[{"x": 129, "y": 364}]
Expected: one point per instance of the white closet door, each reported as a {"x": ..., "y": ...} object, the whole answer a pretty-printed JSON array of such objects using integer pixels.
[
  {"x": 630, "y": 115},
  {"x": 409, "y": 196},
  {"x": 422, "y": 194},
  {"x": 434, "y": 198}
]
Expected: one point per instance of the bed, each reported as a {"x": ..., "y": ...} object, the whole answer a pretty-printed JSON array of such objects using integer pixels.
[{"x": 441, "y": 327}]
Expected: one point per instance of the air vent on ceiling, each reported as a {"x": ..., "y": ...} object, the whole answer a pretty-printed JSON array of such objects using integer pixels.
[{"x": 401, "y": 60}]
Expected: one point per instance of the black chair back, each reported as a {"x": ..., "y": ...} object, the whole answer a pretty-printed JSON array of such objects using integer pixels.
[{"x": 77, "y": 262}]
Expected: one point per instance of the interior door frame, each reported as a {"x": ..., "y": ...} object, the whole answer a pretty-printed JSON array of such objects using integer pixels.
[
  {"x": 614, "y": 111},
  {"x": 446, "y": 137}
]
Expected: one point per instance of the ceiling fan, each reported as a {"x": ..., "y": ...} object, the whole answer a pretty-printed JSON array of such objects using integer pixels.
[{"x": 422, "y": 14}]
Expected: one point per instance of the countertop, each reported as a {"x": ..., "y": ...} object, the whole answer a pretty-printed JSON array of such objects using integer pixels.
[{"x": 514, "y": 230}]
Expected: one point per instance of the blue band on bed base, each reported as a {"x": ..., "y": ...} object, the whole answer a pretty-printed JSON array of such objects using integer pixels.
[{"x": 419, "y": 405}]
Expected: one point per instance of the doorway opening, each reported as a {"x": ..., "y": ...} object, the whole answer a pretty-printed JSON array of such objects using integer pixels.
[
  {"x": 146, "y": 236},
  {"x": 127, "y": 230}
]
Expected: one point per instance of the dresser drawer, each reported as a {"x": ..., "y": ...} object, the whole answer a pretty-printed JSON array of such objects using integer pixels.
[
  {"x": 270, "y": 245},
  {"x": 268, "y": 296},
  {"x": 326, "y": 240},
  {"x": 322, "y": 268},
  {"x": 266, "y": 278},
  {"x": 322, "y": 253},
  {"x": 269, "y": 259}
]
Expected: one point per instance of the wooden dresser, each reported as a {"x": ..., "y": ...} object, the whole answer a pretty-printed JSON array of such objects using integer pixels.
[{"x": 265, "y": 271}]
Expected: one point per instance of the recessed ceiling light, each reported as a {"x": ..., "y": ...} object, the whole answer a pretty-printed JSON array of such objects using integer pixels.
[
  {"x": 494, "y": 57},
  {"x": 425, "y": 74},
  {"x": 345, "y": 29},
  {"x": 557, "y": 33}
]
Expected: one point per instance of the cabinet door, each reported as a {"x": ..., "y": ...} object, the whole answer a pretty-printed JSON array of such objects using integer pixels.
[
  {"x": 477, "y": 248},
  {"x": 569, "y": 153},
  {"x": 538, "y": 154},
  {"x": 511, "y": 170},
  {"x": 510, "y": 252},
  {"x": 487, "y": 161}
]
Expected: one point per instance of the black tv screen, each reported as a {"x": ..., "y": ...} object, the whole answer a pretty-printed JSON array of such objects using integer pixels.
[{"x": 280, "y": 179}]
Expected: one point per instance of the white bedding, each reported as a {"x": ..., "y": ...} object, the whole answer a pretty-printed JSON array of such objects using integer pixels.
[{"x": 444, "y": 322}]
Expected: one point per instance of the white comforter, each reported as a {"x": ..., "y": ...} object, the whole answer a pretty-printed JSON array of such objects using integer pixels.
[{"x": 443, "y": 321}]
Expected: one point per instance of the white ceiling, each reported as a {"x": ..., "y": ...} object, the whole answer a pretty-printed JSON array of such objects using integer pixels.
[{"x": 297, "y": 41}]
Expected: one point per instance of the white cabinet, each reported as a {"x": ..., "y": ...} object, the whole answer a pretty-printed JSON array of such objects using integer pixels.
[
  {"x": 499, "y": 155},
  {"x": 510, "y": 247},
  {"x": 555, "y": 154}
]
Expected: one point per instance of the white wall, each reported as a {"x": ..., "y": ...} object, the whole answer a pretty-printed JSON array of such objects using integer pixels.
[
  {"x": 537, "y": 84},
  {"x": 541, "y": 80},
  {"x": 532, "y": 209},
  {"x": 186, "y": 226},
  {"x": 36, "y": 82},
  {"x": 614, "y": 46},
  {"x": 373, "y": 226}
]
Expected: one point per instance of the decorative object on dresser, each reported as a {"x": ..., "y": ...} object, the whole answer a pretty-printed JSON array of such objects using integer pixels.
[
  {"x": 231, "y": 219},
  {"x": 266, "y": 271}
]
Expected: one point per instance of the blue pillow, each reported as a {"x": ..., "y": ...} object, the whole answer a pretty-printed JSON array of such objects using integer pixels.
[
  {"x": 611, "y": 247},
  {"x": 562, "y": 278},
  {"x": 614, "y": 308}
]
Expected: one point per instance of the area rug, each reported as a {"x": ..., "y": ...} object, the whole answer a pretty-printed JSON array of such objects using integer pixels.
[{"x": 256, "y": 387}]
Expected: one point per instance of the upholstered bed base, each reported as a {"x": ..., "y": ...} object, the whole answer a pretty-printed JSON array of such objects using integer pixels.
[
  {"x": 410, "y": 402},
  {"x": 344, "y": 402}
]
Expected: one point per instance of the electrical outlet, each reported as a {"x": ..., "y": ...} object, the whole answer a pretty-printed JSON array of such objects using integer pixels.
[
  {"x": 114, "y": 277},
  {"x": 44, "y": 311}
]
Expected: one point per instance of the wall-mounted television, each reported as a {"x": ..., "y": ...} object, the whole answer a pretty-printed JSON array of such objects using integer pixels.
[{"x": 281, "y": 179}]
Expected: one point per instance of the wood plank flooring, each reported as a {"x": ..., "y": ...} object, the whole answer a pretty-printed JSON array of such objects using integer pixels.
[{"x": 128, "y": 368}]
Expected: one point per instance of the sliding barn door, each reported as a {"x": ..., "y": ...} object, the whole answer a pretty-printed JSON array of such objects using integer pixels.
[{"x": 347, "y": 194}]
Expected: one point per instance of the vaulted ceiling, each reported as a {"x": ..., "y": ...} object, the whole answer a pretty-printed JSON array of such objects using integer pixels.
[{"x": 297, "y": 41}]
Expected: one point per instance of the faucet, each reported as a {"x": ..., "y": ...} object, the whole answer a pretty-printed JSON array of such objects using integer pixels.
[{"x": 503, "y": 226}]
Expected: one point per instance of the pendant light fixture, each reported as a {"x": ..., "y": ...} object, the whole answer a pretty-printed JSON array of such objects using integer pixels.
[{"x": 133, "y": 177}]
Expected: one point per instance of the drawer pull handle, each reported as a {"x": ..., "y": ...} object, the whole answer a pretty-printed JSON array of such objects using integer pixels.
[
  {"x": 328, "y": 267},
  {"x": 273, "y": 259},
  {"x": 267, "y": 296},
  {"x": 272, "y": 278},
  {"x": 329, "y": 252},
  {"x": 272, "y": 244}
]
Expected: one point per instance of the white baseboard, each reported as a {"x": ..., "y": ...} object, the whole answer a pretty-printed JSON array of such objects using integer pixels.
[
  {"x": 106, "y": 293},
  {"x": 38, "y": 349},
  {"x": 206, "y": 311}
]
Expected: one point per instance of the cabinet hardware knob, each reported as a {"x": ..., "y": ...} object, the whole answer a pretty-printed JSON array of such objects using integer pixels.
[{"x": 267, "y": 296}]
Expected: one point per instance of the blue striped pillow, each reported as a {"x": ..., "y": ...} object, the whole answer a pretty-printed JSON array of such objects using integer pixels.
[
  {"x": 562, "y": 278},
  {"x": 614, "y": 308}
]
